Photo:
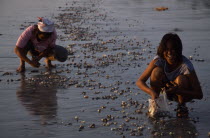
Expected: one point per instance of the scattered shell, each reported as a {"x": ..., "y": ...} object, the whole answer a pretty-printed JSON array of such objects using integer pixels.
[
  {"x": 82, "y": 122},
  {"x": 113, "y": 129},
  {"x": 92, "y": 126},
  {"x": 104, "y": 120},
  {"x": 103, "y": 107},
  {"x": 161, "y": 8},
  {"x": 76, "y": 118},
  {"x": 190, "y": 58},
  {"x": 7, "y": 73},
  {"x": 200, "y": 60},
  {"x": 171, "y": 133},
  {"x": 34, "y": 71},
  {"x": 81, "y": 127}
]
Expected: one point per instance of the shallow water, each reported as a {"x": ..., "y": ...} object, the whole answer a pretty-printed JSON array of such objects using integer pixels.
[{"x": 120, "y": 37}]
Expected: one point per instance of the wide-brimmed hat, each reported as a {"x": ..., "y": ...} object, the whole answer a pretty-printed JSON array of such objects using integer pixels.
[{"x": 45, "y": 25}]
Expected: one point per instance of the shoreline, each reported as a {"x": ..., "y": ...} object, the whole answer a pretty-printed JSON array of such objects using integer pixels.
[{"x": 96, "y": 86}]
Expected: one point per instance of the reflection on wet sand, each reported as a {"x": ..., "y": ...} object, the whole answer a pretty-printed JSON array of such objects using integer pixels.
[
  {"x": 178, "y": 127},
  {"x": 37, "y": 99}
]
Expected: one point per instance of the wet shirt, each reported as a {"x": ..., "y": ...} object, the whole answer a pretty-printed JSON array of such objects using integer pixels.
[
  {"x": 40, "y": 46},
  {"x": 185, "y": 68}
]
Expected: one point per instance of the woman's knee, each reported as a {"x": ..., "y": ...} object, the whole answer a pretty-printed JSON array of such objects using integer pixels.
[
  {"x": 20, "y": 51},
  {"x": 182, "y": 81},
  {"x": 16, "y": 49},
  {"x": 156, "y": 79},
  {"x": 157, "y": 74}
]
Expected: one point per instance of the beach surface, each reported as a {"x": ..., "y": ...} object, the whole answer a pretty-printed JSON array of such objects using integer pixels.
[{"x": 93, "y": 93}]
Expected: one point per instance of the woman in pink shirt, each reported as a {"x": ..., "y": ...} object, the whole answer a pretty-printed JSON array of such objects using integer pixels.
[{"x": 39, "y": 40}]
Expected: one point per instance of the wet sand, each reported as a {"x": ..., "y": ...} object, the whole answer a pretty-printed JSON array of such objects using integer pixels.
[{"x": 93, "y": 93}]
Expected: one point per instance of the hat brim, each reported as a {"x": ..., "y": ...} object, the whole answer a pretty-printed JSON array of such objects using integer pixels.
[{"x": 47, "y": 29}]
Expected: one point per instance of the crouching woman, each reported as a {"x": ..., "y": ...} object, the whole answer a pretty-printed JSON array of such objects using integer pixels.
[
  {"x": 172, "y": 71},
  {"x": 39, "y": 41}
]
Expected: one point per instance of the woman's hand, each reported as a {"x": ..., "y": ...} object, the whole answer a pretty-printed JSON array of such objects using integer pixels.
[
  {"x": 154, "y": 95},
  {"x": 171, "y": 87}
]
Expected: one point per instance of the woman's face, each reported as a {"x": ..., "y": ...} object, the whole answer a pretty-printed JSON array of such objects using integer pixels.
[
  {"x": 44, "y": 35},
  {"x": 170, "y": 54}
]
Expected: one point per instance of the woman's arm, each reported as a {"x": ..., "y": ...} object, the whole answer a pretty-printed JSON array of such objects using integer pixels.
[
  {"x": 141, "y": 82},
  {"x": 21, "y": 53},
  {"x": 45, "y": 53}
]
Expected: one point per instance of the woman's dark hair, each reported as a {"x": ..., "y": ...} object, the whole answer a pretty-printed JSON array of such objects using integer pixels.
[{"x": 175, "y": 41}]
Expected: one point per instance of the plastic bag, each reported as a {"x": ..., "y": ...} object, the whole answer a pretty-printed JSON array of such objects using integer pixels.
[{"x": 159, "y": 107}]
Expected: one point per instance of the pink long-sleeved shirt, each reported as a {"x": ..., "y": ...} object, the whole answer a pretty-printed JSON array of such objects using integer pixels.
[{"x": 40, "y": 46}]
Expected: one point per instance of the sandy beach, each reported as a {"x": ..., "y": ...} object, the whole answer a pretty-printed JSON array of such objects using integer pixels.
[{"x": 93, "y": 93}]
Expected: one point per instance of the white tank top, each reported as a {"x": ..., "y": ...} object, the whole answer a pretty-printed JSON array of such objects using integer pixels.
[{"x": 185, "y": 68}]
